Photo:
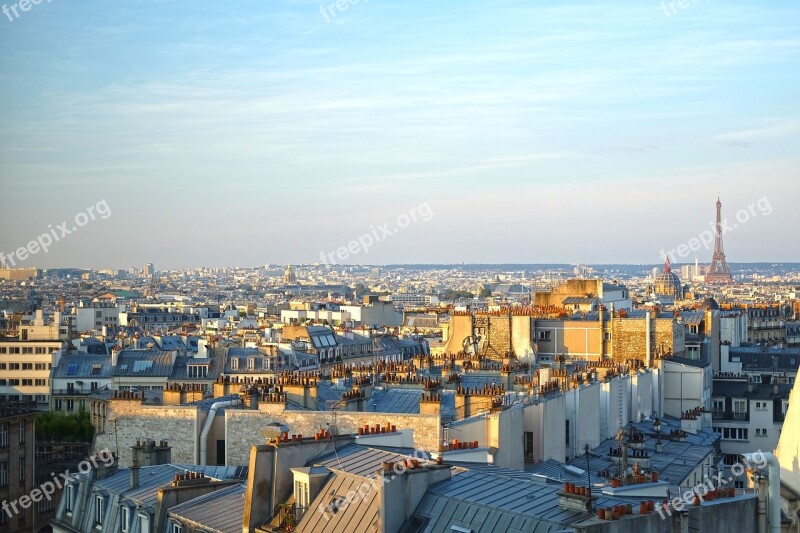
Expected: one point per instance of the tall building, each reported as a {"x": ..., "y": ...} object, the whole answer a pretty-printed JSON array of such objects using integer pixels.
[
  {"x": 719, "y": 272},
  {"x": 149, "y": 270},
  {"x": 17, "y": 453}
]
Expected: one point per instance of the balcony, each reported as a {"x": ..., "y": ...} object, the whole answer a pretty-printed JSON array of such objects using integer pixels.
[
  {"x": 74, "y": 392},
  {"x": 729, "y": 415}
]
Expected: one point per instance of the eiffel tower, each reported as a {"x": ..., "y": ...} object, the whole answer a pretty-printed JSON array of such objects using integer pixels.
[{"x": 719, "y": 271}]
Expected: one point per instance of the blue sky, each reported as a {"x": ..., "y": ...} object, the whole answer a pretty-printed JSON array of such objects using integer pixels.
[{"x": 244, "y": 133}]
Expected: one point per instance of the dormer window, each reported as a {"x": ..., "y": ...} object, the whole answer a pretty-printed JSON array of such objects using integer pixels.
[
  {"x": 235, "y": 363},
  {"x": 251, "y": 363}
]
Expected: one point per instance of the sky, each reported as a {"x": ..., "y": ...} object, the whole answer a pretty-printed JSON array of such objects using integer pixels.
[{"x": 242, "y": 133}]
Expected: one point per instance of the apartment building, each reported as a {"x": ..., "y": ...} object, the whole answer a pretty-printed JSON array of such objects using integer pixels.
[
  {"x": 748, "y": 417},
  {"x": 17, "y": 453},
  {"x": 25, "y": 370},
  {"x": 93, "y": 317}
]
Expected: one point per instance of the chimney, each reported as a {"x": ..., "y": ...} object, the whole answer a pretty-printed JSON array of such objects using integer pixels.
[
  {"x": 134, "y": 469},
  {"x": 114, "y": 356}
]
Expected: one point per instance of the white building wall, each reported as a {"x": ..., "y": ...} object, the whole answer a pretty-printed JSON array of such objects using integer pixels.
[
  {"x": 583, "y": 416},
  {"x": 642, "y": 384}
]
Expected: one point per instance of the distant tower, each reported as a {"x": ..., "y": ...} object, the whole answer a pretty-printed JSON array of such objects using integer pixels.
[
  {"x": 719, "y": 272},
  {"x": 149, "y": 270}
]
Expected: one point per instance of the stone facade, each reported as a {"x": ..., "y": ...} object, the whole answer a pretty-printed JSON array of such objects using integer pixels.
[
  {"x": 129, "y": 420},
  {"x": 243, "y": 427},
  {"x": 629, "y": 338}
]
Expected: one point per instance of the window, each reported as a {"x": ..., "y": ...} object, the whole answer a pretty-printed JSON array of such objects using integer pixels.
[
  {"x": 4, "y": 435},
  {"x": 235, "y": 363},
  {"x": 39, "y": 351},
  {"x": 57, "y": 405},
  {"x": 738, "y": 484},
  {"x": 761, "y": 432},
  {"x": 22, "y": 432},
  {"x": 544, "y": 335},
  {"x": 3, "y": 350},
  {"x": 27, "y": 382},
  {"x": 70, "y": 404},
  {"x": 69, "y": 498},
  {"x": 40, "y": 382},
  {"x": 176, "y": 528},
  {"x": 13, "y": 366},
  {"x": 99, "y": 503},
  {"x": 27, "y": 350},
  {"x": 27, "y": 366},
  {"x": 301, "y": 495},
  {"x": 718, "y": 405},
  {"x": 4, "y": 474},
  {"x": 125, "y": 517},
  {"x": 144, "y": 523},
  {"x": 22, "y": 470},
  {"x": 730, "y": 459},
  {"x": 41, "y": 366},
  {"x": 251, "y": 363},
  {"x": 732, "y": 433}
]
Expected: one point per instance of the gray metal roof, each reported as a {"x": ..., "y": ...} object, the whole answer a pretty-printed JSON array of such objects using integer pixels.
[
  {"x": 151, "y": 478},
  {"x": 361, "y": 514},
  {"x": 327, "y": 396},
  {"x": 357, "y": 459},
  {"x": 488, "y": 502},
  {"x": 395, "y": 401},
  {"x": 180, "y": 371},
  {"x": 83, "y": 366},
  {"x": 221, "y": 511},
  {"x": 674, "y": 463},
  {"x": 149, "y": 362}
]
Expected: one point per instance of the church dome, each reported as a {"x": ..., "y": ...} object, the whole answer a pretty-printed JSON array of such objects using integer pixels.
[{"x": 668, "y": 283}]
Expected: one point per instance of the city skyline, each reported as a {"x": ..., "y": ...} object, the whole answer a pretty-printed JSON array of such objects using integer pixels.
[{"x": 542, "y": 133}]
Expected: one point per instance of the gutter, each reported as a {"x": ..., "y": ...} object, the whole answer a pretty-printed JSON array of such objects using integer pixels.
[
  {"x": 207, "y": 427},
  {"x": 774, "y": 492}
]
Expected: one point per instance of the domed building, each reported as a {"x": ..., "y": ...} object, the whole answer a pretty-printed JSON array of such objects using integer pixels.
[
  {"x": 288, "y": 275},
  {"x": 668, "y": 283}
]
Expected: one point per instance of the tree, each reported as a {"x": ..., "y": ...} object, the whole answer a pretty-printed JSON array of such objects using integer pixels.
[{"x": 56, "y": 426}]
